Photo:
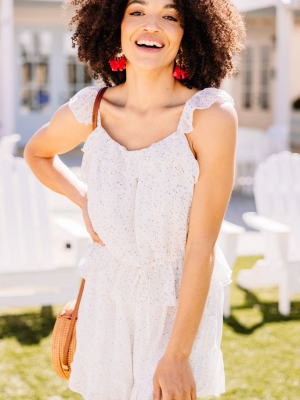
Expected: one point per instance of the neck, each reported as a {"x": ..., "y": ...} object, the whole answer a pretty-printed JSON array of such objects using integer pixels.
[{"x": 144, "y": 90}]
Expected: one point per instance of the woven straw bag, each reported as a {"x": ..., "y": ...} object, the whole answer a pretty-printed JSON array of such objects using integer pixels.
[{"x": 63, "y": 343}]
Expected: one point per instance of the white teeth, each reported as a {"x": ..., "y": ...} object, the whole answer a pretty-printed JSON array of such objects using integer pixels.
[{"x": 149, "y": 43}]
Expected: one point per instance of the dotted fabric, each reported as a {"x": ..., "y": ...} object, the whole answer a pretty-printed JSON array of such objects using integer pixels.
[{"x": 139, "y": 204}]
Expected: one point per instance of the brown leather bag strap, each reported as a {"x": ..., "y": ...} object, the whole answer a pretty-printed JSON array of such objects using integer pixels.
[
  {"x": 96, "y": 106},
  {"x": 75, "y": 312},
  {"x": 71, "y": 327}
]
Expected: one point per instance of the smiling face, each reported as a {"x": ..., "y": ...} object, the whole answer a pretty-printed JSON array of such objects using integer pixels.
[{"x": 151, "y": 33}]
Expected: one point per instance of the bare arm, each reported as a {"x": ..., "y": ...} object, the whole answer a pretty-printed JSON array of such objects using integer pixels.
[
  {"x": 62, "y": 134},
  {"x": 214, "y": 141}
]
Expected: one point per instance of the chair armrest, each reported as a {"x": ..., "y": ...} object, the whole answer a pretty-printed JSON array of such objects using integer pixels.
[
  {"x": 80, "y": 236},
  {"x": 76, "y": 229},
  {"x": 231, "y": 229},
  {"x": 261, "y": 222},
  {"x": 228, "y": 239}
]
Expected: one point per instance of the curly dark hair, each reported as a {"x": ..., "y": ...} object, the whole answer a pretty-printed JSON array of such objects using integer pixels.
[{"x": 214, "y": 33}]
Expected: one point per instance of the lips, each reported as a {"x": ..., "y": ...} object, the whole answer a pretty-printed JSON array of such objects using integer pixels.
[
  {"x": 149, "y": 49},
  {"x": 150, "y": 39}
]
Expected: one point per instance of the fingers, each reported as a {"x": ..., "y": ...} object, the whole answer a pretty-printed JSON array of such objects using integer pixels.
[
  {"x": 96, "y": 238},
  {"x": 89, "y": 226},
  {"x": 194, "y": 393},
  {"x": 186, "y": 395},
  {"x": 157, "y": 393},
  {"x": 176, "y": 395},
  {"x": 94, "y": 235},
  {"x": 174, "y": 380}
]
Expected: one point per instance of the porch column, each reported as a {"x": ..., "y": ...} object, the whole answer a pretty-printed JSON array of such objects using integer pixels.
[
  {"x": 7, "y": 68},
  {"x": 282, "y": 106}
]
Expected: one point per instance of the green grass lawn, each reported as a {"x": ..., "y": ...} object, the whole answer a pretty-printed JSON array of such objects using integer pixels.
[{"x": 261, "y": 349}]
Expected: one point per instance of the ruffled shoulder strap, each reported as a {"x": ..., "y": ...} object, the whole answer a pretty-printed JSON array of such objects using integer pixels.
[
  {"x": 202, "y": 99},
  {"x": 82, "y": 104}
]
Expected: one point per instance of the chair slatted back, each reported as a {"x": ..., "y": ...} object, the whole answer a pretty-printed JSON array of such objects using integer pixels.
[
  {"x": 277, "y": 193},
  {"x": 25, "y": 229}
]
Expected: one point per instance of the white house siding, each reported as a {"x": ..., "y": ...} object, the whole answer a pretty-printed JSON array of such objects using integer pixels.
[
  {"x": 295, "y": 60},
  {"x": 41, "y": 13},
  {"x": 45, "y": 22},
  {"x": 250, "y": 5},
  {"x": 295, "y": 84},
  {"x": 261, "y": 29},
  {"x": 7, "y": 120}
]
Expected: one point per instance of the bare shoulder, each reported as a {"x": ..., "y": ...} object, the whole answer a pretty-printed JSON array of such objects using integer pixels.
[
  {"x": 61, "y": 134},
  {"x": 65, "y": 120},
  {"x": 215, "y": 129}
]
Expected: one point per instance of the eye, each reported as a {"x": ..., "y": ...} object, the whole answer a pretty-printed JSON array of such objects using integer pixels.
[
  {"x": 171, "y": 18},
  {"x": 136, "y": 13}
]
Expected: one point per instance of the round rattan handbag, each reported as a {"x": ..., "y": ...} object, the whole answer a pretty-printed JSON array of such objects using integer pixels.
[{"x": 63, "y": 343}]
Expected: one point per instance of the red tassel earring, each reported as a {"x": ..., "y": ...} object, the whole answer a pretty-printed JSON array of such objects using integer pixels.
[
  {"x": 118, "y": 62},
  {"x": 180, "y": 71}
]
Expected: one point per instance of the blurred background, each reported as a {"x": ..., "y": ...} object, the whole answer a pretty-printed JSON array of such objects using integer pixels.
[{"x": 43, "y": 237}]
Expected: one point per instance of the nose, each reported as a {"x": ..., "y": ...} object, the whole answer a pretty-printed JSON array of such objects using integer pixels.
[{"x": 151, "y": 24}]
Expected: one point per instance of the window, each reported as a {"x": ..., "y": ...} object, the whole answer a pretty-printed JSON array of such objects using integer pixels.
[
  {"x": 35, "y": 53},
  {"x": 264, "y": 96},
  {"x": 247, "y": 92},
  {"x": 77, "y": 74}
]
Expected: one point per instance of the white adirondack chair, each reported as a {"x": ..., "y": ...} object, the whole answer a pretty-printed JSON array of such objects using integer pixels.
[
  {"x": 253, "y": 147},
  {"x": 8, "y": 143},
  {"x": 277, "y": 198},
  {"x": 28, "y": 275},
  {"x": 227, "y": 240}
]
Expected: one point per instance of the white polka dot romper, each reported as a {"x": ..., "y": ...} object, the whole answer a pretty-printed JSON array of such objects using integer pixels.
[{"x": 139, "y": 204}]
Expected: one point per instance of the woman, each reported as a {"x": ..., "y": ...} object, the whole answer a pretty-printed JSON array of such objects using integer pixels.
[{"x": 159, "y": 169}]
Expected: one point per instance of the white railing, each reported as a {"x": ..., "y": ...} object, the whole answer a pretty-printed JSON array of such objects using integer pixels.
[{"x": 249, "y": 5}]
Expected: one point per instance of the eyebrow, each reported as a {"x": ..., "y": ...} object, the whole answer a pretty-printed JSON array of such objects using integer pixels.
[{"x": 145, "y": 3}]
